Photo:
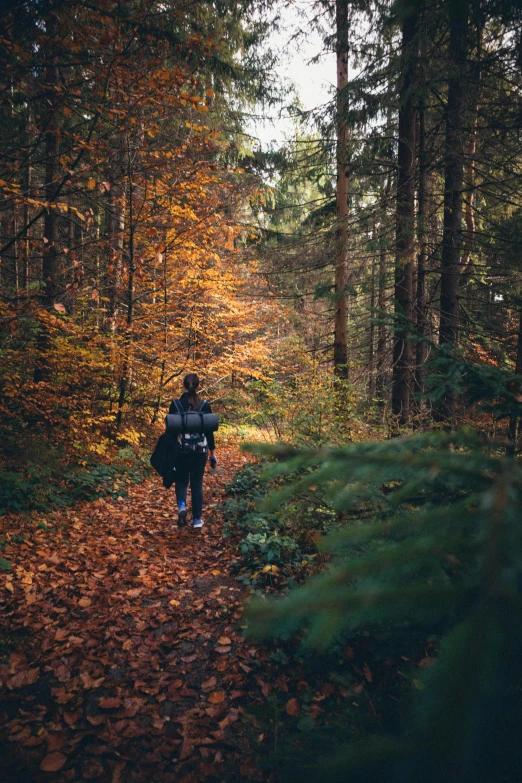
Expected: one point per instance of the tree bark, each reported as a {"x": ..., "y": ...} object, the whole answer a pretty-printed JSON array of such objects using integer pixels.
[
  {"x": 514, "y": 419},
  {"x": 453, "y": 188},
  {"x": 49, "y": 281},
  {"x": 453, "y": 177},
  {"x": 422, "y": 234},
  {"x": 126, "y": 373},
  {"x": 341, "y": 256},
  {"x": 382, "y": 331},
  {"x": 405, "y": 223},
  {"x": 116, "y": 230}
]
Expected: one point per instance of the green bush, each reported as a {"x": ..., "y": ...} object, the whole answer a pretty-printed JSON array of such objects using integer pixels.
[
  {"x": 440, "y": 554},
  {"x": 37, "y": 487},
  {"x": 264, "y": 543}
]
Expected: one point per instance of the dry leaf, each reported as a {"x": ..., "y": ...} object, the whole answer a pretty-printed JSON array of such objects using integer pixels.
[
  {"x": 292, "y": 707},
  {"x": 53, "y": 762},
  {"x": 109, "y": 702},
  {"x": 224, "y": 640},
  {"x": 71, "y": 717},
  {"x": 208, "y": 685},
  {"x": 217, "y": 697},
  {"x": 23, "y": 678},
  {"x": 83, "y": 602}
]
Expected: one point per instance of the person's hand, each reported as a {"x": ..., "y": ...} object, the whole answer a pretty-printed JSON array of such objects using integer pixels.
[{"x": 213, "y": 461}]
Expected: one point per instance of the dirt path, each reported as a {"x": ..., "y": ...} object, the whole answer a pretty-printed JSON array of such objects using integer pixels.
[{"x": 124, "y": 660}]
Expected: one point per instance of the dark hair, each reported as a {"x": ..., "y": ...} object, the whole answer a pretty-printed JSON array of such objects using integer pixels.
[{"x": 191, "y": 383}]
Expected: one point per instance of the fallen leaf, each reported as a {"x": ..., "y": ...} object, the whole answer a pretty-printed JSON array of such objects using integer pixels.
[
  {"x": 208, "y": 685},
  {"x": 53, "y": 762},
  {"x": 187, "y": 749},
  {"x": 71, "y": 717},
  {"x": 217, "y": 697},
  {"x": 92, "y": 769},
  {"x": 96, "y": 720},
  {"x": 23, "y": 678},
  {"x": 83, "y": 602},
  {"x": 109, "y": 703},
  {"x": 231, "y": 717},
  {"x": 224, "y": 640},
  {"x": 292, "y": 707}
]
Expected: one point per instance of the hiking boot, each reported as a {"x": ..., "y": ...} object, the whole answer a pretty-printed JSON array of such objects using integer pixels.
[
  {"x": 182, "y": 514},
  {"x": 197, "y": 523}
]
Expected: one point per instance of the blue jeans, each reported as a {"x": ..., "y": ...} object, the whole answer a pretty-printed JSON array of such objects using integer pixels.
[{"x": 191, "y": 467}]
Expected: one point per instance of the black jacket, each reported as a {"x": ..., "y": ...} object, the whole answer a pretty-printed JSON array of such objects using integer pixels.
[
  {"x": 205, "y": 409},
  {"x": 164, "y": 457}
]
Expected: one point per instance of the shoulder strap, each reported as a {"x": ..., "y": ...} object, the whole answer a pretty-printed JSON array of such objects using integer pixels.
[
  {"x": 179, "y": 407},
  {"x": 201, "y": 404}
]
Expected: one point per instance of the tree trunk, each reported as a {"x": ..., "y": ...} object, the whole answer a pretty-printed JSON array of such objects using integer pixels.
[
  {"x": 469, "y": 174},
  {"x": 371, "y": 352},
  {"x": 422, "y": 215},
  {"x": 126, "y": 372},
  {"x": 49, "y": 280},
  {"x": 382, "y": 332},
  {"x": 116, "y": 230},
  {"x": 405, "y": 223},
  {"x": 514, "y": 419},
  {"x": 453, "y": 177},
  {"x": 341, "y": 255},
  {"x": 453, "y": 186}
]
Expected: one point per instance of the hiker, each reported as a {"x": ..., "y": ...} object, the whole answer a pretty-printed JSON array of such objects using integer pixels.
[{"x": 190, "y": 465}]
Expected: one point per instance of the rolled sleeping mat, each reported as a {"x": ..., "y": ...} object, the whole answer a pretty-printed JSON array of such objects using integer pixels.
[{"x": 192, "y": 421}]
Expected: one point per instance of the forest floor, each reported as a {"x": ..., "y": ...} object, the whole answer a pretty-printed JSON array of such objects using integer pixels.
[{"x": 123, "y": 655}]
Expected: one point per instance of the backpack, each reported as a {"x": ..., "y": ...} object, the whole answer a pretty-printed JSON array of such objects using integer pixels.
[{"x": 192, "y": 441}]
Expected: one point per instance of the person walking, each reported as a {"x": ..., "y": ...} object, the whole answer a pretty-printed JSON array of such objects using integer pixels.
[{"x": 190, "y": 466}]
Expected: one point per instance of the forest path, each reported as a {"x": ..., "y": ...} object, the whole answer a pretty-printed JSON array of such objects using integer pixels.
[{"x": 125, "y": 659}]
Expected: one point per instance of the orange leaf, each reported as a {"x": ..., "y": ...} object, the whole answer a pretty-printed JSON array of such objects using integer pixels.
[
  {"x": 109, "y": 703},
  {"x": 84, "y": 602},
  {"x": 292, "y": 707},
  {"x": 224, "y": 640},
  {"x": 53, "y": 762},
  {"x": 217, "y": 697}
]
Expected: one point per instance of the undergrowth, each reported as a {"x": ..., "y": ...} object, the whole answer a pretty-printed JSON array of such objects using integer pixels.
[{"x": 54, "y": 483}]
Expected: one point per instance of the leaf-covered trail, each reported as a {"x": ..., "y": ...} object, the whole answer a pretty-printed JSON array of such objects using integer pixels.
[{"x": 125, "y": 660}]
